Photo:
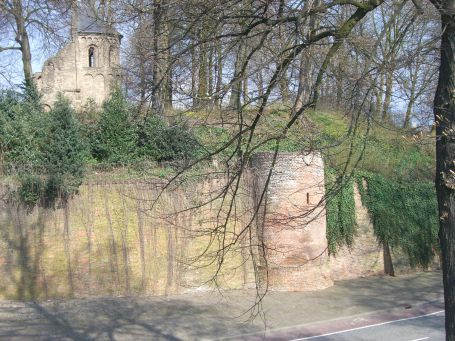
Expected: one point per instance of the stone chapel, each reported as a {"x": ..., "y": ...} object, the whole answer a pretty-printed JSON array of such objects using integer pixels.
[{"x": 87, "y": 67}]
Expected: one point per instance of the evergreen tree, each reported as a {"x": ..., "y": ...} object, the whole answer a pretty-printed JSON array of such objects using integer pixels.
[
  {"x": 117, "y": 139},
  {"x": 64, "y": 153},
  {"x": 161, "y": 142},
  {"x": 21, "y": 126}
]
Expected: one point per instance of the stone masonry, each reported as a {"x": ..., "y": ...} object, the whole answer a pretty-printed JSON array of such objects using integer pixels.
[
  {"x": 152, "y": 251},
  {"x": 87, "y": 67}
]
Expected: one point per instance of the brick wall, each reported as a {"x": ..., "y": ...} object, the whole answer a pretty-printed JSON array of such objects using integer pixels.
[{"x": 291, "y": 221}]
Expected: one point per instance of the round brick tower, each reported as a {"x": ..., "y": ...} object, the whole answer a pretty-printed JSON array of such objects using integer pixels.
[{"x": 292, "y": 221}]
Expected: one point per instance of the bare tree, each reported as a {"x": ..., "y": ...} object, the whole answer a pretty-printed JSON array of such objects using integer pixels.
[
  {"x": 22, "y": 18},
  {"x": 290, "y": 50}
]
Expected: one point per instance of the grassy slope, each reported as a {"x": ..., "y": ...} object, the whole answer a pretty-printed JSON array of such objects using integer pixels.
[{"x": 389, "y": 151}]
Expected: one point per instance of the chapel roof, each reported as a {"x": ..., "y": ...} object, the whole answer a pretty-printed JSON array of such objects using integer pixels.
[{"x": 91, "y": 22}]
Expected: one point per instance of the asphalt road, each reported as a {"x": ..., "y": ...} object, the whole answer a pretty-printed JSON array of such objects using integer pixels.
[
  {"x": 419, "y": 328},
  {"x": 351, "y": 304}
]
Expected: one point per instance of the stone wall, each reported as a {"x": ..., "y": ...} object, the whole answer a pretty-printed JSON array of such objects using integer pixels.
[
  {"x": 116, "y": 238},
  {"x": 68, "y": 71}
]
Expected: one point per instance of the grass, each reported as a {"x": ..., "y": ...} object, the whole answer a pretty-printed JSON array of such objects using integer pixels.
[{"x": 382, "y": 149}]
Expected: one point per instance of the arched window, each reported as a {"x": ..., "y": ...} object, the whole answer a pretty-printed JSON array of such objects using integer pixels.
[
  {"x": 110, "y": 56},
  {"x": 91, "y": 57}
]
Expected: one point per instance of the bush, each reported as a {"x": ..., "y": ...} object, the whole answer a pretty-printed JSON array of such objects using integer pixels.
[
  {"x": 64, "y": 152},
  {"x": 161, "y": 142},
  {"x": 44, "y": 150},
  {"x": 89, "y": 119},
  {"x": 21, "y": 127},
  {"x": 30, "y": 190},
  {"x": 115, "y": 140}
]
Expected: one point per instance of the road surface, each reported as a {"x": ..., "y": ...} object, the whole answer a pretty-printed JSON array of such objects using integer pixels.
[
  {"x": 344, "y": 308},
  {"x": 419, "y": 323},
  {"x": 426, "y": 327}
]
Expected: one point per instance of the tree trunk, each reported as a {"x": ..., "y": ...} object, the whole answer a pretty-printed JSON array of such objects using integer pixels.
[
  {"x": 23, "y": 41},
  {"x": 142, "y": 56},
  {"x": 339, "y": 85},
  {"x": 246, "y": 97},
  {"x": 388, "y": 95},
  {"x": 283, "y": 81},
  {"x": 211, "y": 75},
  {"x": 194, "y": 67},
  {"x": 407, "y": 115},
  {"x": 412, "y": 99},
  {"x": 236, "y": 90},
  {"x": 202, "y": 76},
  {"x": 444, "y": 112},
  {"x": 260, "y": 84},
  {"x": 304, "y": 80},
  {"x": 219, "y": 74},
  {"x": 168, "y": 69},
  {"x": 388, "y": 264},
  {"x": 284, "y": 88},
  {"x": 157, "y": 75},
  {"x": 379, "y": 96}
]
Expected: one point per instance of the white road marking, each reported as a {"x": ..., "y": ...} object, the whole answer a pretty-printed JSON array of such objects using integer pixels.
[
  {"x": 369, "y": 326},
  {"x": 423, "y": 338}
]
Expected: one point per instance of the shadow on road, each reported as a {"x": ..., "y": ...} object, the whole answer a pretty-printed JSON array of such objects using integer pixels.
[
  {"x": 207, "y": 315},
  {"x": 115, "y": 319}
]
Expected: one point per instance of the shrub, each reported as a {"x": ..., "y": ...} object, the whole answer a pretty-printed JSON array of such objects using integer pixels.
[
  {"x": 21, "y": 127},
  {"x": 44, "y": 150},
  {"x": 161, "y": 142},
  {"x": 64, "y": 152},
  {"x": 116, "y": 137},
  {"x": 89, "y": 118}
]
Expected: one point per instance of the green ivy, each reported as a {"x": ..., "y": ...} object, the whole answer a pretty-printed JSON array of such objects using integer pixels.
[
  {"x": 341, "y": 218},
  {"x": 404, "y": 215}
]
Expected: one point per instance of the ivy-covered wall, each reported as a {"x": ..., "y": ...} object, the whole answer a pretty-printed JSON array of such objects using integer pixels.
[
  {"x": 403, "y": 216},
  {"x": 110, "y": 240},
  {"x": 364, "y": 256}
]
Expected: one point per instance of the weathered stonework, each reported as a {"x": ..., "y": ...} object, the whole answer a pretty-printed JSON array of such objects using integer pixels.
[
  {"x": 292, "y": 221},
  {"x": 87, "y": 67},
  {"x": 115, "y": 243}
]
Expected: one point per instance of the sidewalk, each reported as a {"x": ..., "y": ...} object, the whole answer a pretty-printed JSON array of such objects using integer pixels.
[{"x": 210, "y": 315}]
